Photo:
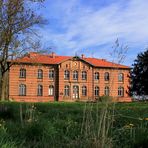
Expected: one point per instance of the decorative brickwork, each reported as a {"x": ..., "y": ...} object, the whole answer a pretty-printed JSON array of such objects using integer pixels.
[{"x": 63, "y": 78}]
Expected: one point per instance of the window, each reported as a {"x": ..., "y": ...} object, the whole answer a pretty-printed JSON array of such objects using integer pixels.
[
  {"x": 66, "y": 75},
  {"x": 120, "y": 91},
  {"x": 96, "y": 91},
  {"x": 51, "y": 90},
  {"x": 51, "y": 74},
  {"x": 75, "y": 75},
  {"x": 40, "y": 90},
  {"x": 96, "y": 76},
  {"x": 84, "y": 75},
  {"x": 40, "y": 74},
  {"x": 106, "y": 91},
  {"x": 106, "y": 76},
  {"x": 66, "y": 90},
  {"x": 84, "y": 91},
  {"x": 120, "y": 77},
  {"x": 22, "y": 73},
  {"x": 22, "y": 90}
]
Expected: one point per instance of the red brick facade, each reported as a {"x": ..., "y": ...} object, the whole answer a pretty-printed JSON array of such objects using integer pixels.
[{"x": 42, "y": 78}]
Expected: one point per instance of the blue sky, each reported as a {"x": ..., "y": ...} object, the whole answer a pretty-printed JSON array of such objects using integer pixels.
[{"x": 92, "y": 26}]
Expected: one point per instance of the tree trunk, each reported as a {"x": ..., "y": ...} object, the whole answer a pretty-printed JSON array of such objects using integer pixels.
[{"x": 4, "y": 86}]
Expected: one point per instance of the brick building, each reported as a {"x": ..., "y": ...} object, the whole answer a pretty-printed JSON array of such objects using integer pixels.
[{"x": 40, "y": 78}]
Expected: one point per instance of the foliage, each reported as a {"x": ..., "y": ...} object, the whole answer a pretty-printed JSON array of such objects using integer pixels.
[
  {"x": 139, "y": 75},
  {"x": 74, "y": 125},
  {"x": 17, "y": 36}
]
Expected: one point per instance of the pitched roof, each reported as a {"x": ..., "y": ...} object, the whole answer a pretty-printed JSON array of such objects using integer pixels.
[
  {"x": 52, "y": 58},
  {"x": 104, "y": 63}
]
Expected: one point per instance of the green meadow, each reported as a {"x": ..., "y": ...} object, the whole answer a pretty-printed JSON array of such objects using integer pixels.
[{"x": 70, "y": 125}]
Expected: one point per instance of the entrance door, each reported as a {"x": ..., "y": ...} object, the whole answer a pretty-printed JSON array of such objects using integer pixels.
[{"x": 75, "y": 91}]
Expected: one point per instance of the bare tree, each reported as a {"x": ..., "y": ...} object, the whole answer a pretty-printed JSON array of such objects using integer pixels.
[{"x": 17, "y": 19}]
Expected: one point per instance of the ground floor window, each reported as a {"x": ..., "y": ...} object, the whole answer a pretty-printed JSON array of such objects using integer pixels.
[
  {"x": 51, "y": 90},
  {"x": 22, "y": 90},
  {"x": 66, "y": 90},
  {"x": 106, "y": 91},
  {"x": 120, "y": 91},
  {"x": 84, "y": 91},
  {"x": 40, "y": 90},
  {"x": 96, "y": 91}
]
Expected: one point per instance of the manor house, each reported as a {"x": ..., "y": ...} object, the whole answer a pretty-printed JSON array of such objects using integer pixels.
[{"x": 41, "y": 78}]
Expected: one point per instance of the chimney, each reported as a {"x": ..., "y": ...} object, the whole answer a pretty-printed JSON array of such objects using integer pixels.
[
  {"x": 83, "y": 56},
  {"x": 33, "y": 54},
  {"x": 53, "y": 54},
  {"x": 103, "y": 59}
]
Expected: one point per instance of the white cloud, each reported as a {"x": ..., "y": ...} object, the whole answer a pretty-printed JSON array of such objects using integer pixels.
[{"x": 86, "y": 27}]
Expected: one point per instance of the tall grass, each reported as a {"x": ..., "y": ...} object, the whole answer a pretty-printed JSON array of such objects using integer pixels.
[
  {"x": 72, "y": 125},
  {"x": 97, "y": 124}
]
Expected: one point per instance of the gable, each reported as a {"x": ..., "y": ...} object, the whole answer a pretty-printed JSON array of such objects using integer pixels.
[{"x": 75, "y": 63}]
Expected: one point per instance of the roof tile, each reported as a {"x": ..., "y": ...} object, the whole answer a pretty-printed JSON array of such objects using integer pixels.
[{"x": 48, "y": 59}]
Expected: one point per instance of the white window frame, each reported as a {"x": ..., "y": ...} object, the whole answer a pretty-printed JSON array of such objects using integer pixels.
[
  {"x": 22, "y": 90},
  {"x": 84, "y": 75},
  {"x": 51, "y": 90}
]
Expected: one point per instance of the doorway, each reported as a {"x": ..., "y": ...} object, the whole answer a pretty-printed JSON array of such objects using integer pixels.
[{"x": 75, "y": 92}]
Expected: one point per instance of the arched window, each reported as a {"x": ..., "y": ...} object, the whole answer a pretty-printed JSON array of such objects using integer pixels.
[
  {"x": 84, "y": 75},
  {"x": 22, "y": 90},
  {"x": 40, "y": 90},
  {"x": 106, "y": 76},
  {"x": 96, "y": 91},
  {"x": 66, "y": 90},
  {"x": 75, "y": 75},
  {"x": 40, "y": 74},
  {"x": 96, "y": 76},
  {"x": 120, "y": 91},
  {"x": 120, "y": 77},
  {"x": 51, "y": 74},
  {"x": 51, "y": 90},
  {"x": 106, "y": 91},
  {"x": 84, "y": 91},
  {"x": 22, "y": 73},
  {"x": 66, "y": 75}
]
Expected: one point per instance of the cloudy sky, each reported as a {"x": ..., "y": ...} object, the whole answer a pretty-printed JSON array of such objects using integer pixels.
[{"x": 92, "y": 27}]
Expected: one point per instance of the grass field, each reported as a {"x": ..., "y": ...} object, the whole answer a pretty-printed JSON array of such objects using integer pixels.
[{"x": 73, "y": 125}]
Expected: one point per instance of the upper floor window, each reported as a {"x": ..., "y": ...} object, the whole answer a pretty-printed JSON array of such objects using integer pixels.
[
  {"x": 106, "y": 76},
  {"x": 51, "y": 74},
  {"x": 96, "y": 91},
  {"x": 66, "y": 90},
  {"x": 22, "y": 90},
  {"x": 120, "y": 91},
  {"x": 75, "y": 75},
  {"x": 40, "y": 74},
  {"x": 106, "y": 91},
  {"x": 84, "y": 75},
  {"x": 84, "y": 91},
  {"x": 40, "y": 90},
  {"x": 66, "y": 74},
  {"x": 22, "y": 73},
  {"x": 51, "y": 90},
  {"x": 96, "y": 76},
  {"x": 120, "y": 77}
]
